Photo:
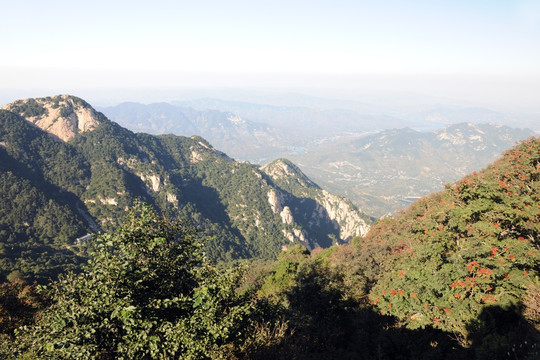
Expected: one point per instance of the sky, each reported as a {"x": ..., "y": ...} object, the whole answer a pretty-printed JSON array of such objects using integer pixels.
[{"x": 485, "y": 50}]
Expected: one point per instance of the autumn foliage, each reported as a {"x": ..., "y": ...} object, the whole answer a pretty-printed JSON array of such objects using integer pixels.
[
  {"x": 454, "y": 276},
  {"x": 454, "y": 253}
]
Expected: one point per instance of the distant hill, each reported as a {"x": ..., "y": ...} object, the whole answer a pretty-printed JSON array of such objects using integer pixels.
[
  {"x": 476, "y": 115},
  {"x": 344, "y": 148},
  {"x": 315, "y": 117},
  {"x": 67, "y": 170},
  {"x": 247, "y": 131},
  {"x": 384, "y": 171},
  {"x": 237, "y": 136}
]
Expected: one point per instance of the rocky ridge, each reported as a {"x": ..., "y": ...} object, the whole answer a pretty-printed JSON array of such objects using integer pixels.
[
  {"x": 68, "y": 153},
  {"x": 62, "y": 116},
  {"x": 341, "y": 211}
]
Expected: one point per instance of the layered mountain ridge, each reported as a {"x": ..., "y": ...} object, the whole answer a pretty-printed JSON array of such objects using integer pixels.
[
  {"x": 340, "y": 147},
  {"x": 70, "y": 162},
  {"x": 382, "y": 171},
  {"x": 234, "y": 134}
]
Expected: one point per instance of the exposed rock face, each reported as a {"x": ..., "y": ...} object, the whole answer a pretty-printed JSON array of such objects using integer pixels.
[
  {"x": 340, "y": 211},
  {"x": 286, "y": 216},
  {"x": 171, "y": 198},
  {"x": 108, "y": 201},
  {"x": 196, "y": 157},
  {"x": 275, "y": 199},
  {"x": 62, "y": 116},
  {"x": 154, "y": 180},
  {"x": 345, "y": 214},
  {"x": 285, "y": 170},
  {"x": 300, "y": 236},
  {"x": 201, "y": 151},
  {"x": 235, "y": 119}
]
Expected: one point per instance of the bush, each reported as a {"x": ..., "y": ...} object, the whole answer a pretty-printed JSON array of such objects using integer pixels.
[{"x": 148, "y": 292}]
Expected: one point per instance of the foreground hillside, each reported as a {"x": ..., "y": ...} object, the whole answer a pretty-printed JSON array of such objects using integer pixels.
[
  {"x": 461, "y": 260},
  {"x": 455, "y": 276},
  {"x": 66, "y": 170},
  {"x": 472, "y": 246}
]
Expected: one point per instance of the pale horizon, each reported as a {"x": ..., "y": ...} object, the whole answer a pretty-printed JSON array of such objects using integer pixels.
[{"x": 483, "y": 52}]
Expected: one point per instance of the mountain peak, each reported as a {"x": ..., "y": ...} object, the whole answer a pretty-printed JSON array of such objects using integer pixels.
[
  {"x": 62, "y": 116},
  {"x": 284, "y": 171}
]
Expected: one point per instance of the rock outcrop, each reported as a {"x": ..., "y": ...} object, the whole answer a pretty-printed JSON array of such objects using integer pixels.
[
  {"x": 62, "y": 116},
  {"x": 337, "y": 211}
]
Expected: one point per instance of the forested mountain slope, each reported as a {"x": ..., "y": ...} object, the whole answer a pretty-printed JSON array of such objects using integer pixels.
[
  {"x": 471, "y": 249},
  {"x": 41, "y": 181},
  {"x": 71, "y": 171},
  {"x": 455, "y": 276}
]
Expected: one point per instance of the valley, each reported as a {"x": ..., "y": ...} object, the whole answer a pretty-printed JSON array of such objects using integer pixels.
[
  {"x": 270, "y": 180},
  {"x": 189, "y": 253},
  {"x": 376, "y": 160}
]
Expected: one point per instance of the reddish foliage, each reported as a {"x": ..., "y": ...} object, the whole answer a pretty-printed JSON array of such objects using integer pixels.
[
  {"x": 472, "y": 264},
  {"x": 485, "y": 271}
]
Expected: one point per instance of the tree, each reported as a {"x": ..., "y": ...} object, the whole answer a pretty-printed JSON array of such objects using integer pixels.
[
  {"x": 147, "y": 292},
  {"x": 19, "y": 303},
  {"x": 471, "y": 247}
]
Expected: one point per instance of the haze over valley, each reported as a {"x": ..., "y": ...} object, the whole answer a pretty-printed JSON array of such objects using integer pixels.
[
  {"x": 253, "y": 180},
  {"x": 379, "y": 161}
]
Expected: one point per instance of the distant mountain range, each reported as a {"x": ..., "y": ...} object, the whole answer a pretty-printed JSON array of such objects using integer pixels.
[
  {"x": 240, "y": 138},
  {"x": 346, "y": 151},
  {"x": 384, "y": 171},
  {"x": 67, "y": 170},
  {"x": 246, "y": 131},
  {"x": 319, "y": 119}
]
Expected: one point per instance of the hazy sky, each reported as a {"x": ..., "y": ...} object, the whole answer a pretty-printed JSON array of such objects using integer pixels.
[{"x": 484, "y": 48}]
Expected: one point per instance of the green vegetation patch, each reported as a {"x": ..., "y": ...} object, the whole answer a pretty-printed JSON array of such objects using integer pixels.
[{"x": 28, "y": 108}]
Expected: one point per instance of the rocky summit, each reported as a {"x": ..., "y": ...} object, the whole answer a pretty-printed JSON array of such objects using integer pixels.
[{"x": 62, "y": 116}]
